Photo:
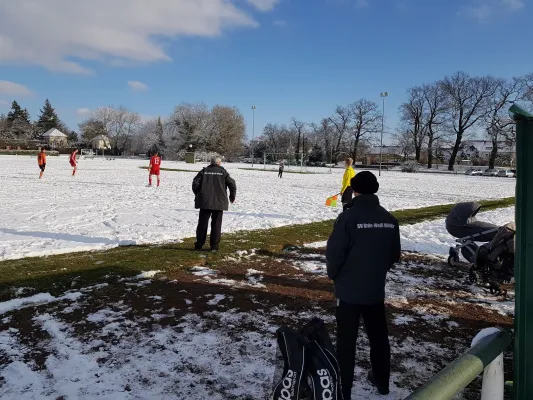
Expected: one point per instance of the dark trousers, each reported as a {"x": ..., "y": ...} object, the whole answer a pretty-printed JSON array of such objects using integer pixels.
[
  {"x": 280, "y": 174},
  {"x": 216, "y": 228},
  {"x": 375, "y": 322},
  {"x": 347, "y": 197}
]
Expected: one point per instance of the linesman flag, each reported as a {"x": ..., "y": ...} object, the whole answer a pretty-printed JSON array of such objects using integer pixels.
[{"x": 332, "y": 201}]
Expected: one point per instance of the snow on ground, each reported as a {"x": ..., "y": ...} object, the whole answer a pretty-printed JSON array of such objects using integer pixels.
[
  {"x": 431, "y": 237},
  {"x": 153, "y": 342},
  {"x": 108, "y": 204}
]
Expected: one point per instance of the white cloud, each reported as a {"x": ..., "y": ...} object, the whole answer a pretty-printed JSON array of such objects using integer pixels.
[
  {"x": 137, "y": 86},
  {"x": 514, "y": 5},
  {"x": 4, "y": 103},
  {"x": 264, "y": 5},
  {"x": 14, "y": 89},
  {"x": 82, "y": 112},
  {"x": 61, "y": 34},
  {"x": 483, "y": 10}
]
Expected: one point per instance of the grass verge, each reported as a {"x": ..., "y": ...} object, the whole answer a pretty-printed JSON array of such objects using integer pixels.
[
  {"x": 55, "y": 274},
  {"x": 173, "y": 170}
]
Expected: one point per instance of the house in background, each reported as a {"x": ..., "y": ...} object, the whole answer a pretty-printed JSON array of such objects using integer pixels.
[
  {"x": 389, "y": 154},
  {"x": 100, "y": 142},
  {"x": 54, "y": 138}
]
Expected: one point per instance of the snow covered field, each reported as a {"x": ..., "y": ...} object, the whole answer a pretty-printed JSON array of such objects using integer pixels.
[
  {"x": 108, "y": 204},
  {"x": 208, "y": 331}
]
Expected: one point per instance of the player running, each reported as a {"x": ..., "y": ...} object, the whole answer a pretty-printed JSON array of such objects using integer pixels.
[
  {"x": 41, "y": 160},
  {"x": 154, "y": 168},
  {"x": 73, "y": 161}
]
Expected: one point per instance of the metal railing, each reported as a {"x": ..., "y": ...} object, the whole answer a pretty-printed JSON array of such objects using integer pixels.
[{"x": 484, "y": 355}]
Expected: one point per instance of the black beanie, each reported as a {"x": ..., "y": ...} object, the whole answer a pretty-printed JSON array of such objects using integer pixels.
[{"x": 365, "y": 182}]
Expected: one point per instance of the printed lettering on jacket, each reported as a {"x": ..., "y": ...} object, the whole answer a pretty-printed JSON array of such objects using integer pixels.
[{"x": 376, "y": 225}]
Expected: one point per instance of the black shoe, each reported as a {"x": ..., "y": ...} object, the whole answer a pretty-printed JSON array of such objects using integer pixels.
[
  {"x": 214, "y": 250},
  {"x": 381, "y": 389},
  {"x": 197, "y": 247}
]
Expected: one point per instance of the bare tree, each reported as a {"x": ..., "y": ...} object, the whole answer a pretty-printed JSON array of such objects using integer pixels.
[
  {"x": 190, "y": 125},
  {"x": 412, "y": 118},
  {"x": 366, "y": 119},
  {"x": 146, "y": 137},
  {"x": 468, "y": 103},
  {"x": 273, "y": 136},
  {"x": 298, "y": 128},
  {"x": 90, "y": 128},
  {"x": 404, "y": 139},
  {"x": 434, "y": 116},
  {"x": 498, "y": 123},
  {"x": 324, "y": 133},
  {"x": 121, "y": 125},
  {"x": 341, "y": 121},
  {"x": 229, "y": 131},
  {"x": 528, "y": 89}
]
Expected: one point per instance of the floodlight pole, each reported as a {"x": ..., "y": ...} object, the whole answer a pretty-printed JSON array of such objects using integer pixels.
[
  {"x": 253, "y": 134},
  {"x": 383, "y": 95}
]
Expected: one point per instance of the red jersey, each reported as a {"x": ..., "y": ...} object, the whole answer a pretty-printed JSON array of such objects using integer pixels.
[
  {"x": 155, "y": 164},
  {"x": 73, "y": 159}
]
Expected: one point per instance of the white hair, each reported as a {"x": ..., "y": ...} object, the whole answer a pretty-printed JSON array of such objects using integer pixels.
[{"x": 216, "y": 161}]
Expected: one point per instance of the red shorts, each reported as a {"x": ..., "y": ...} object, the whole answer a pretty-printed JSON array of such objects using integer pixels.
[
  {"x": 154, "y": 172},
  {"x": 72, "y": 164}
]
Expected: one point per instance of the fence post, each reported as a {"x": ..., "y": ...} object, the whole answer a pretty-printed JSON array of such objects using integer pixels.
[
  {"x": 523, "y": 349},
  {"x": 493, "y": 381},
  {"x": 446, "y": 384}
]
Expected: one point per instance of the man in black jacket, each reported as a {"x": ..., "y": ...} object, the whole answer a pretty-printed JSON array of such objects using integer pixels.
[
  {"x": 210, "y": 187},
  {"x": 363, "y": 246}
]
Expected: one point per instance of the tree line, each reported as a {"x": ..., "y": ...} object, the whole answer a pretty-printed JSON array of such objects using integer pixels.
[
  {"x": 17, "y": 125},
  {"x": 192, "y": 126},
  {"x": 458, "y": 108},
  {"x": 441, "y": 114}
]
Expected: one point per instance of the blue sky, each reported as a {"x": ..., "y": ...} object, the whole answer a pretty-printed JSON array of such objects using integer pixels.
[{"x": 290, "y": 58}]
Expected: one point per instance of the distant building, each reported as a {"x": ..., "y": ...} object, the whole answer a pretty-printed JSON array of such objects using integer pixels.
[
  {"x": 483, "y": 148},
  {"x": 388, "y": 153},
  {"x": 54, "y": 138},
  {"x": 480, "y": 150},
  {"x": 100, "y": 142}
]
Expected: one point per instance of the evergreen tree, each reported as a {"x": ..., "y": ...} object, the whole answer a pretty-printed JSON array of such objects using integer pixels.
[
  {"x": 17, "y": 113},
  {"x": 47, "y": 120},
  {"x": 317, "y": 154},
  {"x": 20, "y": 126},
  {"x": 72, "y": 137}
]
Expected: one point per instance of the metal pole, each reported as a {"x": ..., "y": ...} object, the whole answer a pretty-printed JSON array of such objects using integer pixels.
[
  {"x": 253, "y": 134},
  {"x": 457, "y": 375},
  {"x": 523, "y": 344},
  {"x": 383, "y": 95},
  {"x": 302, "y": 156}
]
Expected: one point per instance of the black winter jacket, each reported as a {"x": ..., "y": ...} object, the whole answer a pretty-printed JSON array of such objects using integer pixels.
[
  {"x": 210, "y": 187},
  {"x": 363, "y": 246}
]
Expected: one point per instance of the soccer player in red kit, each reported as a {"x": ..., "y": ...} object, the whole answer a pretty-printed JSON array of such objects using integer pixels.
[
  {"x": 73, "y": 161},
  {"x": 154, "y": 168}
]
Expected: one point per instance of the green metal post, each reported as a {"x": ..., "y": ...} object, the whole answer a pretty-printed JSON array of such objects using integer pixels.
[
  {"x": 457, "y": 375},
  {"x": 523, "y": 350}
]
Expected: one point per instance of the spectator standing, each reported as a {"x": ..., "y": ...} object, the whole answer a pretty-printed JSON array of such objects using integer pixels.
[
  {"x": 210, "y": 188},
  {"x": 364, "y": 245}
]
